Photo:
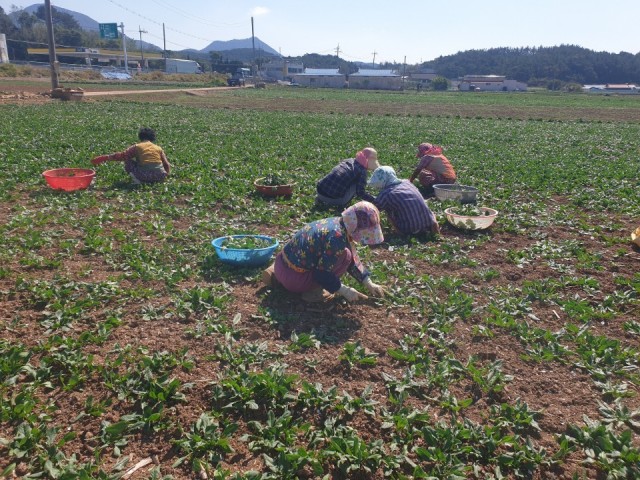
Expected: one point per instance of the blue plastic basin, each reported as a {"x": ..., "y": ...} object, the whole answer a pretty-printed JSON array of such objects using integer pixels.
[{"x": 254, "y": 257}]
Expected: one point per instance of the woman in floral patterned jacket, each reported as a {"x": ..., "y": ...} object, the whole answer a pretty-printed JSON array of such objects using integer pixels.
[{"x": 313, "y": 261}]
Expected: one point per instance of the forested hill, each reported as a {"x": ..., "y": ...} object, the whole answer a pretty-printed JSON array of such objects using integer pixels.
[{"x": 567, "y": 63}]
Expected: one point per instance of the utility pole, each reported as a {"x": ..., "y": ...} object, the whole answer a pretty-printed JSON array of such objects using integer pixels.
[
  {"x": 141, "y": 51},
  {"x": 52, "y": 45},
  {"x": 338, "y": 51},
  {"x": 4, "y": 51},
  {"x": 124, "y": 47},
  {"x": 164, "y": 42},
  {"x": 374, "y": 59},
  {"x": 404, "y": 70},
  {"x": 253, "y": 46}
]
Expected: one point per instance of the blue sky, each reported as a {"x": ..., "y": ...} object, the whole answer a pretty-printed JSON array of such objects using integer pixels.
[{"x": 380, "y": 30}]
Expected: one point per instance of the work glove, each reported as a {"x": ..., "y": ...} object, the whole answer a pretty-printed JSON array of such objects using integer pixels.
[
  {"x": 100, "y": 159},
  {"x": 351, "y": 294},
  {"x": 374, "y": 289}
]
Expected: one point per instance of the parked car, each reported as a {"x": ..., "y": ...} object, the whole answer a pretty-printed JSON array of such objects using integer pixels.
[{"x": 237, "y": 80}]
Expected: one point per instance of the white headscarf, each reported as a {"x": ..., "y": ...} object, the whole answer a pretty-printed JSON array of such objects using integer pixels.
[{"x": 383, "y": 177}]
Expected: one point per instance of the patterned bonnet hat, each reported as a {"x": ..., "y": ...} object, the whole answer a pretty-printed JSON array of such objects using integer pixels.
[{"x": 362, "y": 222}]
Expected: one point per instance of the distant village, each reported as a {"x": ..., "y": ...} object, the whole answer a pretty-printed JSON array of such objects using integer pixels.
[
  {"x": 296, "y": 74},
  {"x": 380, "y": 79}
]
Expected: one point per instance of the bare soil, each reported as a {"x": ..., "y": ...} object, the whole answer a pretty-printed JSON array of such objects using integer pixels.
[
  {"x": 38, "y": 90},
  {"x": 562, "y": 393}
]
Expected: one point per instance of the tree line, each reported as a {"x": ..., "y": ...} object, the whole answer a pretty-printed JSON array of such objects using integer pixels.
[
  {"x": 30, "y": 30},
  {"x": 541, "y": 65}
]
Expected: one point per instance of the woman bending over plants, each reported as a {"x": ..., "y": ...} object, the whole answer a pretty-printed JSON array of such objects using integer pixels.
[
  {"x": 313, "y": 261},
  {"x": 433, "y": 167},
  {"x": 145, "y": 161},
  {"x": 403, "y": 203},
  {"x": 348, "y": 179}
]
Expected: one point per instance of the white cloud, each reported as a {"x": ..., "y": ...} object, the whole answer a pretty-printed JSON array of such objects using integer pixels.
[{"x": 258, "y": 11}]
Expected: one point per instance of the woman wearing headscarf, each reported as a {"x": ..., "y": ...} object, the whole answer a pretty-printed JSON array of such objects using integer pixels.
[
  {"x": 322, "y": 251},
  {"x": 403, "y": 203},
  {"x": 144, "y": 161},
  {"x": 433, "y": 167},
  {"x": 348, "y": 179}
]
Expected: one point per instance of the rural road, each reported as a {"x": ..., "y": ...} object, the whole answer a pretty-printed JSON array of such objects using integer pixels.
[{"x": 131, "y": 92}]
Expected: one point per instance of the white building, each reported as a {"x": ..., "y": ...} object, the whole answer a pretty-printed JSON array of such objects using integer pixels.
[
  {"x": 282, "y": 69},
  {"x": 321, "y": 78},
  {"x": 618, "y": 88},
  {"x": 362, "y": 79},
  {"x": 490, "y": 83},
  {"x": 375, "y": 80}
]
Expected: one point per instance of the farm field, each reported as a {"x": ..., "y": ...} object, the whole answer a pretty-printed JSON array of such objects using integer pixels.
[
  {"x": 509, "y": 353},
  {"x": 514, "y": 106}
]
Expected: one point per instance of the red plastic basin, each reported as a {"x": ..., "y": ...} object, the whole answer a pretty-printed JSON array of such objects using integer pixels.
[{"x": 69, "y": 179}]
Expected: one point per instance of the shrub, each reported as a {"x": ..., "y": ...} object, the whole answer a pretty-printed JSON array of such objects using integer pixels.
[
  {"x": 440, "y": 84},
  {"x": 573, "y": 87},
  {"x": 8, "y": 70}
]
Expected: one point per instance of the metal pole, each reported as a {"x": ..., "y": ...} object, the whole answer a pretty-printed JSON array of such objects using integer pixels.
[
  {"x": 141, "y": 51},
  {"x": 52, "y": 45},
  {"x": 124, "y": 47},
  {"x": 164, "y": 42},
  {"x": 404, "y": 70},
  {"x": 4, "y": 51},
  {"x": 253, "y": 43}
]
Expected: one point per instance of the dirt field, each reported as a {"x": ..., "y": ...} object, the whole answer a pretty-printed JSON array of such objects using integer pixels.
[
  {"x": 38, "y": 90},
  {"x": 562, "y": 393}
]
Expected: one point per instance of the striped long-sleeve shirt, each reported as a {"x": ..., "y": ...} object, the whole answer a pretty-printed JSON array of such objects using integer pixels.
[{"x": 405, "y": 207}]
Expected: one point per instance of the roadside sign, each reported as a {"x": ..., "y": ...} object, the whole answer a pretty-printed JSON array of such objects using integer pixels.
[{"x": 108, "y": 30}]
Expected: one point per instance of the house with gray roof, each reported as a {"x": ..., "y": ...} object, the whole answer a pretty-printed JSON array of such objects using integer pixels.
[
  {"x": 490, "y": 83},
  {"x": 366, "y": 79},
  {"x": 320, "y": 78},
  {"x": 371, "y": 79}
]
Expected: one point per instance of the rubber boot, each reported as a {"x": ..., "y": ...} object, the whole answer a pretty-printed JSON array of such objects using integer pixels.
[{"x": 269, "y": 277}]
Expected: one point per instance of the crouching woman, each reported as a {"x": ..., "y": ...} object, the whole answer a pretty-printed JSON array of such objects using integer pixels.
[
  {"x": 145, "y": 162},
  {"x": 403, "y": 203},
  {"x": 313, "y": 261},
  {"x": 433, "y": 167}
]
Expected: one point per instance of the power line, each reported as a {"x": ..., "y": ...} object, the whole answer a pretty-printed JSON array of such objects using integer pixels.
[
  {"x": 156, "y": 22},
  {"x": 194, "y": 17},
  {"x": 355, "y": 59},
  {"x": 168, "y": 41}
]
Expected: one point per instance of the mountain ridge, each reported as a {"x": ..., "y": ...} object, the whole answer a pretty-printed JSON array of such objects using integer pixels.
[
  {"x": 87, "y": 23},
  {"x": 226, "y": 45}
]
